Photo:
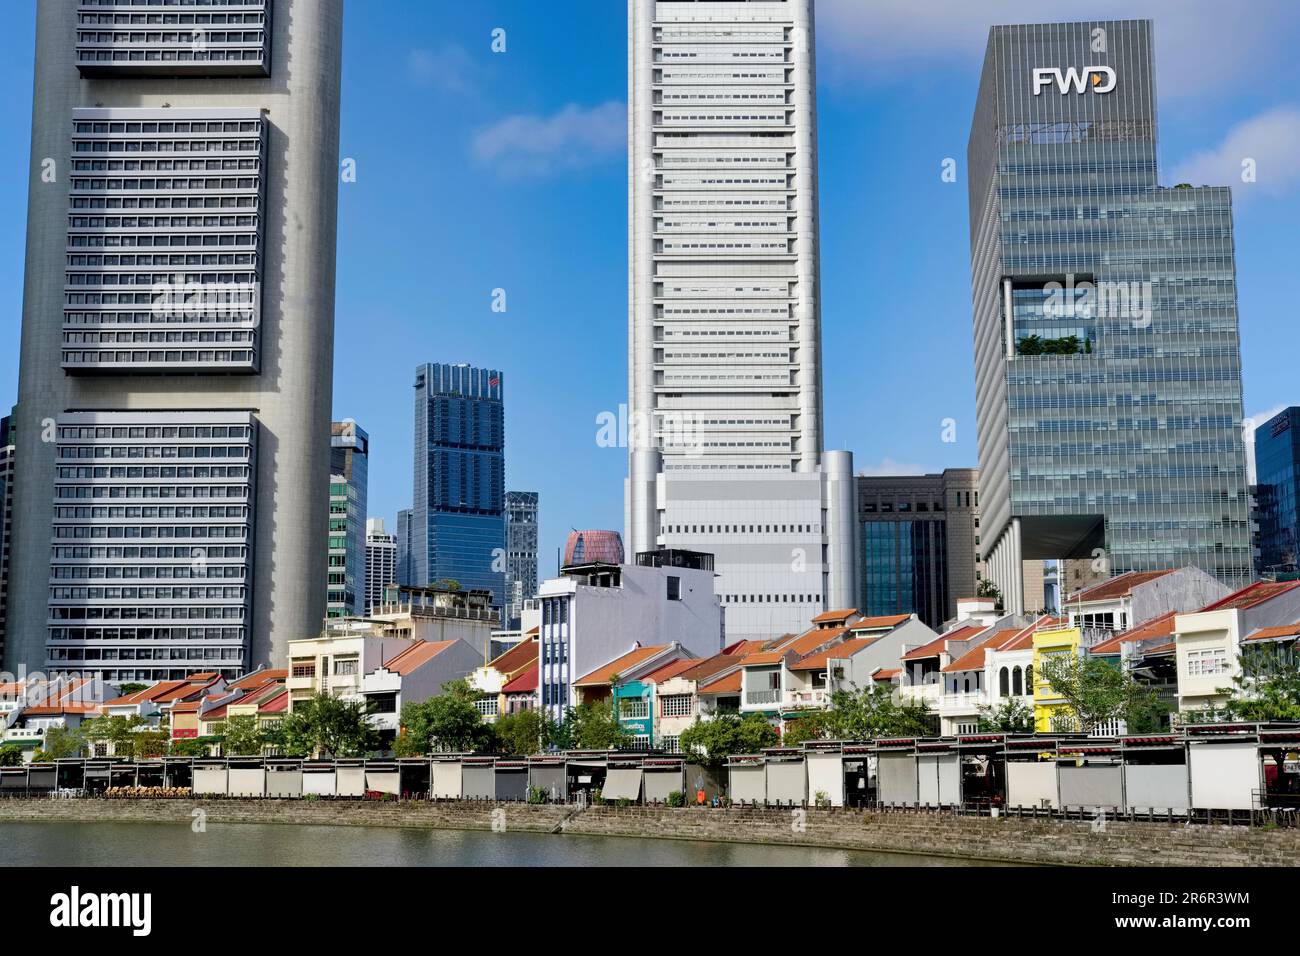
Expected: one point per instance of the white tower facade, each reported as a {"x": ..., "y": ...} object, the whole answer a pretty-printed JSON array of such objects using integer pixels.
[{"x": 724, "y": 317}]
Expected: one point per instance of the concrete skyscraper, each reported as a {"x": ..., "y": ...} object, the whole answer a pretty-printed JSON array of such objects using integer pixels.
[
  {"x": 381, "y": 561},
  {"x": 7, "y": 449},
  {"x": 349, "y": 501},
  {"x": 458, "y": 522},
  {"x": 724, "y": 378},
  {"x": 178, "y": 333},
  {"x": 1108, "y": 366},
  {"x": 521, "y": 553}
]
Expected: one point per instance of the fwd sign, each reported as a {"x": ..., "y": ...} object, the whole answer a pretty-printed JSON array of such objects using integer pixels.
[{"x": 1101, "y": 79}]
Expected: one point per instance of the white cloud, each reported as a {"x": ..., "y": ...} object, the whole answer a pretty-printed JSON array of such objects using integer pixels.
[
  {"x": 1248, "y": 436},
  {"x": 449, "y": 69},
  {"x": 1201, "y": 45},
  {"x": 889, "y": 467},
  {"x": 1271, "y": 140},
  {"x": 574, "y": 138}
]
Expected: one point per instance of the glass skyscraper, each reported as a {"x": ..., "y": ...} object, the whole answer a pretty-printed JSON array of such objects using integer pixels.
[
  {"x": 1108, "y": 370},
  {"x": 458, "y": 523},
  {"x": 1277, "y": 480},
  {"x": 521, "y": 543},
  {"x": 349, "y": 493}
]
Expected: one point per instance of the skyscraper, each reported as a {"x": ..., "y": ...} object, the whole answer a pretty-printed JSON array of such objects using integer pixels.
[
  {"x": 1277, "y": 482},
  {"x": 458, "y": 523},
  {"x": 724, "y": 378},
  {"x": 177, "y": 344},
  {"x": 349, "y": 499},
  {"x": 404, "y": 546},
  {"x": 1108, "y": 369},
  {"x": 6, "y": 513},
  {"x": 521, "y": 553},
  {"x": 381, "y": 561}
]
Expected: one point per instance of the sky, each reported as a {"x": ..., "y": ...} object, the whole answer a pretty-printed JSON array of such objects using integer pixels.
[{"x": 479, "y": 171}]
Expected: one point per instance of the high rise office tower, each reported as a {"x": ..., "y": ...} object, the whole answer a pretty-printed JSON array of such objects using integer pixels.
[
  {"x": 349, "y": 499},
  {"x": 381, "y": 561},
  {"x": 7, "y": 437},
  {"x": 521, "y": 553},
  {"x": 404, "y": 547},
  {"x": 1277, "y": 484},
  {"x": 178, "y": 336},
  {"x": 458, "y": 523},
  {"x": 1108, "y": 369},
  {"x": 725, "y": 441}
]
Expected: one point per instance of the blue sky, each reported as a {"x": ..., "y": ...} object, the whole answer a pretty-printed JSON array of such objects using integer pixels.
[{"x": 479, "y": 171}]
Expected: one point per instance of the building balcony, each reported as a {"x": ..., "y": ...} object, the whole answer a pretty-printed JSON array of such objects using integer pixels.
[
  {"x": 816, "y": 697},
  {"x": 763, "y": 698}
]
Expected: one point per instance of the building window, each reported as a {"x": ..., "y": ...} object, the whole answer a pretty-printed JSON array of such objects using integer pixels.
[
  {"x": 634, "y": 708},
  {"x": 674, "y": 588},
  {"x": 1207, "y": 662},
  {"x": 677, "y": 705},
  {"x": 671, "y": 745},
  {"x": 345, "y": 668},
  {"x": 1016, "y": 687}
]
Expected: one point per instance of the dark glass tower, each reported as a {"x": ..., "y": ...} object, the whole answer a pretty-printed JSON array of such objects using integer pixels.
[
  {"x": 1108, "y": 369},
  {"x": 1277, "y": 479},
  {"x": 458, "y": 523}
]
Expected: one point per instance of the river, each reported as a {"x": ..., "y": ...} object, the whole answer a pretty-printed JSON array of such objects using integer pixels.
[{"x": 257, "y": 844}]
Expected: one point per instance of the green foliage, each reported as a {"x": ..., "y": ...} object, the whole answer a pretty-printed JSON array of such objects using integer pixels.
[
  {"x": 124, "y": 689},
  {"x": 525, "y": 733},
  {"x": 1096, "y": 691},
  {"x": 596, "y": 727},
  {"x": 11, "y": 755},
  {"x": 1266, "y": 687},
  {"x": 1012, "y": 716},
  {"x": 325, "y": 725},
  {"x": 1066, "y": 345},
  {"x": 241, "y": 737},
  {"x": 862, "y": 714},
  {"x": 149, "y": 743},
  {"x": 713, "y": 741},
  {"x": 987, "y": 589},
  {"x": 188, "y": 747},
  {"x": 448, "y": 722},
  {"x": 676, "y": 799},
  {"x": 61, "y": 742},
  {"x": 538, "y": 795}
]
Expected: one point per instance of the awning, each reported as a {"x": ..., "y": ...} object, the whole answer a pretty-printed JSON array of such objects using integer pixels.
[
  {"x": 660, "y": 783},
  {"x": 383, "y": 781},
  {"x": 446, "y": 780},
  {"x": 351, "y": 781},
  {"x": 479, "y": 782},
  {"x": 622, "y": 784},
  {"x": 284, "y": 783},
  {"x": 246, "y": 782},
  {"x": 786, "y": 782},
  {"x": 748, "y": 783}
]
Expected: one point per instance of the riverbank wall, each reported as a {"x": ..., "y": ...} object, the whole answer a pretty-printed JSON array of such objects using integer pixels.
[{"x": 1005, "y": 840}]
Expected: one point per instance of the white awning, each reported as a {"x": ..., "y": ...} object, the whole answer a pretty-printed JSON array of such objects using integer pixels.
[{"x": 622, "y": 784}]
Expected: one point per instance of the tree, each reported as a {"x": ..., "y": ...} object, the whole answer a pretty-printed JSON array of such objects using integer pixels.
[
  {"x": 241, "y": 737},
  {"x": 118, "y": 730},
  {"x": 524, "y": 733},
  {"x": 713, "y": 741},
  {"x": 1096, "y": 692},
  {"x": 448, "y": 722},
  {"x": 189, "y": 747},
  {"x": 1012, "y": 716},
  {"x": 987, "y": 589},
  {"x": 596, "y": 726},
  {"x": 1266, "y": 686},
  {"x": 150, "y": 742},
  {"x": 11, "y": 755},
  {"x": 60, "y": 742},
  {"x": 124, "y": 689},
  {"x": 325, "y": 725}
]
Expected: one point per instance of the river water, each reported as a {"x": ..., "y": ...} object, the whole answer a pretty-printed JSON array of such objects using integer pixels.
[{"x": 256, "y": 844}]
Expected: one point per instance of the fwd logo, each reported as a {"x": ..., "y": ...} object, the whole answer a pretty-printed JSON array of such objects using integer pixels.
[{"x": 1100, "y": 78}]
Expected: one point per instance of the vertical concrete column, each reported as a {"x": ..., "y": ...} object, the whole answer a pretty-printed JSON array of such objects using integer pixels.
[
  {"x": 840, "y": 502},
  {"x": 808, "y": 300}
]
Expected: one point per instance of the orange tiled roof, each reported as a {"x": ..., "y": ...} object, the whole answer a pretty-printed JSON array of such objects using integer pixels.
[
  {"x": 670, "y": 670},
  {"x": 261, "y": 678},
  {"x": 702, "y": 671},
  {"x": 840, "y": 651},
  {"x": 972, "y": 660},
  {"x": 741, "y": 648},
  {"x": 515, "y": 659},
  {"x": 1161, "y": 649},
  {"x": 150, "y": 693},
  {"x": 416, "y": 656},
  {"x": 843, "y": 614},
  {"x": 187, "y": 707},
  {"x": 276, "y": 705},
  {"x": 1273, "y": 633},
  {"x": 1253, "y": 594},
  {"x": 730, "y": 684},
  {"x": 1118, "y": 586},
  {"x": 763, "y": 657},
  {"x": 935, "y": 647},
  {"x": 1161, "y": 626},
  {"x": 810, "y": 640},
  {"x": 601, "y": 675},
  {"x": 524, "y": 683},
  {"x": 880, "y": 621},
  {"x": 885, "y": 673}
]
